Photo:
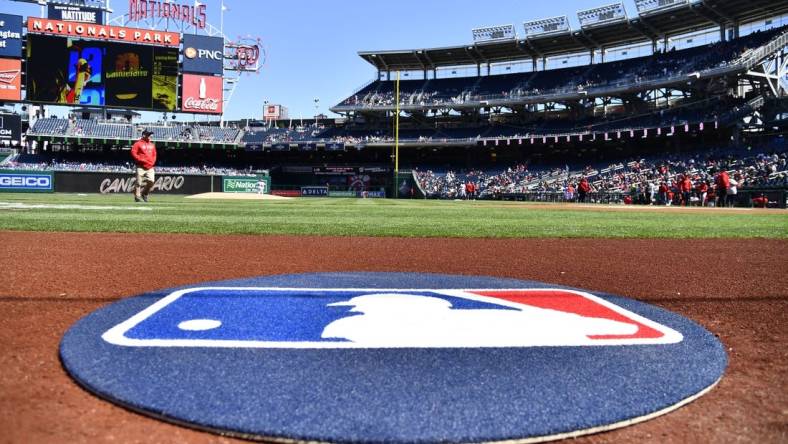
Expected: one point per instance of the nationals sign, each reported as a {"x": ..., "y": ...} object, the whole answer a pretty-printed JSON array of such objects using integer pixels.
[
  {"x": 103, "y": 32},
  {"x": 201, "y": 94}
]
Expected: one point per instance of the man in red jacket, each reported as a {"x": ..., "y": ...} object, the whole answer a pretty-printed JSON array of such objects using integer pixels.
[
  {"x": 723, "y": 181},
  {"x": 685, "y": 185},
  {"x": 144, "y": 154}
]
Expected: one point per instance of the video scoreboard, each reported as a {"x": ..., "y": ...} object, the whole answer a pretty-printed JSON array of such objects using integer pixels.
[{"x": 99, "y": 65}]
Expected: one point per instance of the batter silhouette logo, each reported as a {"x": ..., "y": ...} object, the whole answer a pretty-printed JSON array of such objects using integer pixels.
[{"x": 318, "y": 318}]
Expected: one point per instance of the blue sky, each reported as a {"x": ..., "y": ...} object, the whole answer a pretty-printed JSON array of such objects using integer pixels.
[{"x": 312, "y": 45}]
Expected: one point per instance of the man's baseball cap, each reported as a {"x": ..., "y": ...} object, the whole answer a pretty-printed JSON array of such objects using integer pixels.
[{"x": 146, "y": 132}]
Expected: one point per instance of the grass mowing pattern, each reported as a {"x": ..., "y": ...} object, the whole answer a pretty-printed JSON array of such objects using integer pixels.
[{"x": 379, "y": 217}]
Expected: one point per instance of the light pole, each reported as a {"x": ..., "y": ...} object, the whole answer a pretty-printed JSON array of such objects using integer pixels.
[
  {"x": 265, "y": 112},
  {"x": 317, "y": 105}
]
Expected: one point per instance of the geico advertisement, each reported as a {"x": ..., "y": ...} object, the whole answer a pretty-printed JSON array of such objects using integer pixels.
[{"x": 26, "y": 182}]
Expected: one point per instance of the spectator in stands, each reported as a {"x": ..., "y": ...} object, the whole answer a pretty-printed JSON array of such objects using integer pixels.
[
  {"x": 583, "y": 189},
  {"x": 702, "y": 189},
  {"x": 652, "y": 192},
  {"x": 760, "y": 202},
  {"x": 144, "y": 154},
  {"x": 722, "y": 181},
  {"x": 664, "y": 198},
  {"x": 685, "y": 185},
  {"x": 569, "y": 194},
  {"x": 733, "y": 189}
]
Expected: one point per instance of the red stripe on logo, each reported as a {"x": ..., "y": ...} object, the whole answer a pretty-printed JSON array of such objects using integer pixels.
[{"x": 570, "y": 302}]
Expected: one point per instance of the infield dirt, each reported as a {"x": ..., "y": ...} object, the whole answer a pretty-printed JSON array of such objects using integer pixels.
[{"x": 737, "y": 289}]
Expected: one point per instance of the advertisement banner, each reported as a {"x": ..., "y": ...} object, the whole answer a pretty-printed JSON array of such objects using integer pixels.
[
  {"x": 75, "y": 13},
  {"x": 335, "y": 146},
  {"x": 280, "y": 147},
  {"x": 10, "y": 80},
  {"x": 307, "y": 147},
  {"x": 342, "y": 194},
  {"x": 314, "y": 191},
  {"x": 203, "y": 54},
  {"x": 10, "y": 127},
  {"x": 26, "y": 182},
  {"x": 260, "y": 185},
  {"x": 10, "y": 35},
  {"x": 110, "y": 183},
  {"x": 103, "y": 32},
  {"x": 201, "y": 94}
]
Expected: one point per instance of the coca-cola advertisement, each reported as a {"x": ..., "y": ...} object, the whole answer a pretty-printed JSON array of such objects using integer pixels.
[{"x": 201, "y": 94}]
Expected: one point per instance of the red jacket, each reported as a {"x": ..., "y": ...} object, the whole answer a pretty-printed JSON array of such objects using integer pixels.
[
  {"x": 144, "y": 154},
  {"x": 723, "y": 180},
  {"x": 584, "y": 186},
  {"x": 685, "y": 185}
]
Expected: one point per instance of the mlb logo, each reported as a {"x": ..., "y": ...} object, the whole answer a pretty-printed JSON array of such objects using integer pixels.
[{"x": 319, "y": 318}]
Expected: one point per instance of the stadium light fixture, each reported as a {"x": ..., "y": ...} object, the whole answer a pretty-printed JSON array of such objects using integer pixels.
[
  {"x": 645, "y": 7},
  {"x": 548, "y": 26},
  {"x": 602, "y": 15},
  {"x": 494, "y": 33}
]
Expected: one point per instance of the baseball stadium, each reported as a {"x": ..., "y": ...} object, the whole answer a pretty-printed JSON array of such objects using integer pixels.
[{"x": 569, "y": 229}]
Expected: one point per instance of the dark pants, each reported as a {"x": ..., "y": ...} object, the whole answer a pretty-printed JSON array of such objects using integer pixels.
[{"x": 722, "y": 198}]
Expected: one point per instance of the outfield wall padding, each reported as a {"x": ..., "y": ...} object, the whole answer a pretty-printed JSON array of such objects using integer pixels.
[{"x": 107, "y": 183}]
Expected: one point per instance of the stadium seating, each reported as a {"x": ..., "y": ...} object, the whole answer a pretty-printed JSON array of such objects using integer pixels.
[
  {"x": 630, "y": 72},
  {"x": 766, "y": 169},
  {"x": 50, "y": 126}
]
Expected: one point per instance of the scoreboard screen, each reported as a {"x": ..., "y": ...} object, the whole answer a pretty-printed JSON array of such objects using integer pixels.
[{"x": 72, "y": 71}]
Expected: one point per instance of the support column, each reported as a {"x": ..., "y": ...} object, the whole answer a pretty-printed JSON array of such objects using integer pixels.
[
  {"x": 478, "y": 70},
  {"x": 533, "y": 64},
  {"x": 722, "y": 33}
]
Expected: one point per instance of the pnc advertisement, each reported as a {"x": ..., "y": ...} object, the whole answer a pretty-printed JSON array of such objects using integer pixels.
[{"x": 203, "y": 54}]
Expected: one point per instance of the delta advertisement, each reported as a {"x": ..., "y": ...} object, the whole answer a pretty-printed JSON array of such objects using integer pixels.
[
  {"x": 10, "y": 35},
  {"x": 201, "y": 94},
  {"x": 203, "y": 54},
  {"x": 95, "y": 73},
  {"x": 75, "y": 13},
  {"x": 10, "y": 80}
]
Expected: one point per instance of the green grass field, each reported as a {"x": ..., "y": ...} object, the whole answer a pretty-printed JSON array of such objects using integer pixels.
[{"x": 376, "y": 217}]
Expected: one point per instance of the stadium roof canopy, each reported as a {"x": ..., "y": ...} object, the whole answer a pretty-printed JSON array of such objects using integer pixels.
[{"x": 647, "y": 26}]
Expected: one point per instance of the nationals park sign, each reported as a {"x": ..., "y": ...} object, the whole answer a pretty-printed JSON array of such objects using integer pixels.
[{"x": 103, "y": 32}]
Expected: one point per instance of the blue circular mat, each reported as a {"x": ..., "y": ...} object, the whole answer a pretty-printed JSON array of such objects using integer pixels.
[{"x": 392, "y": 357}]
